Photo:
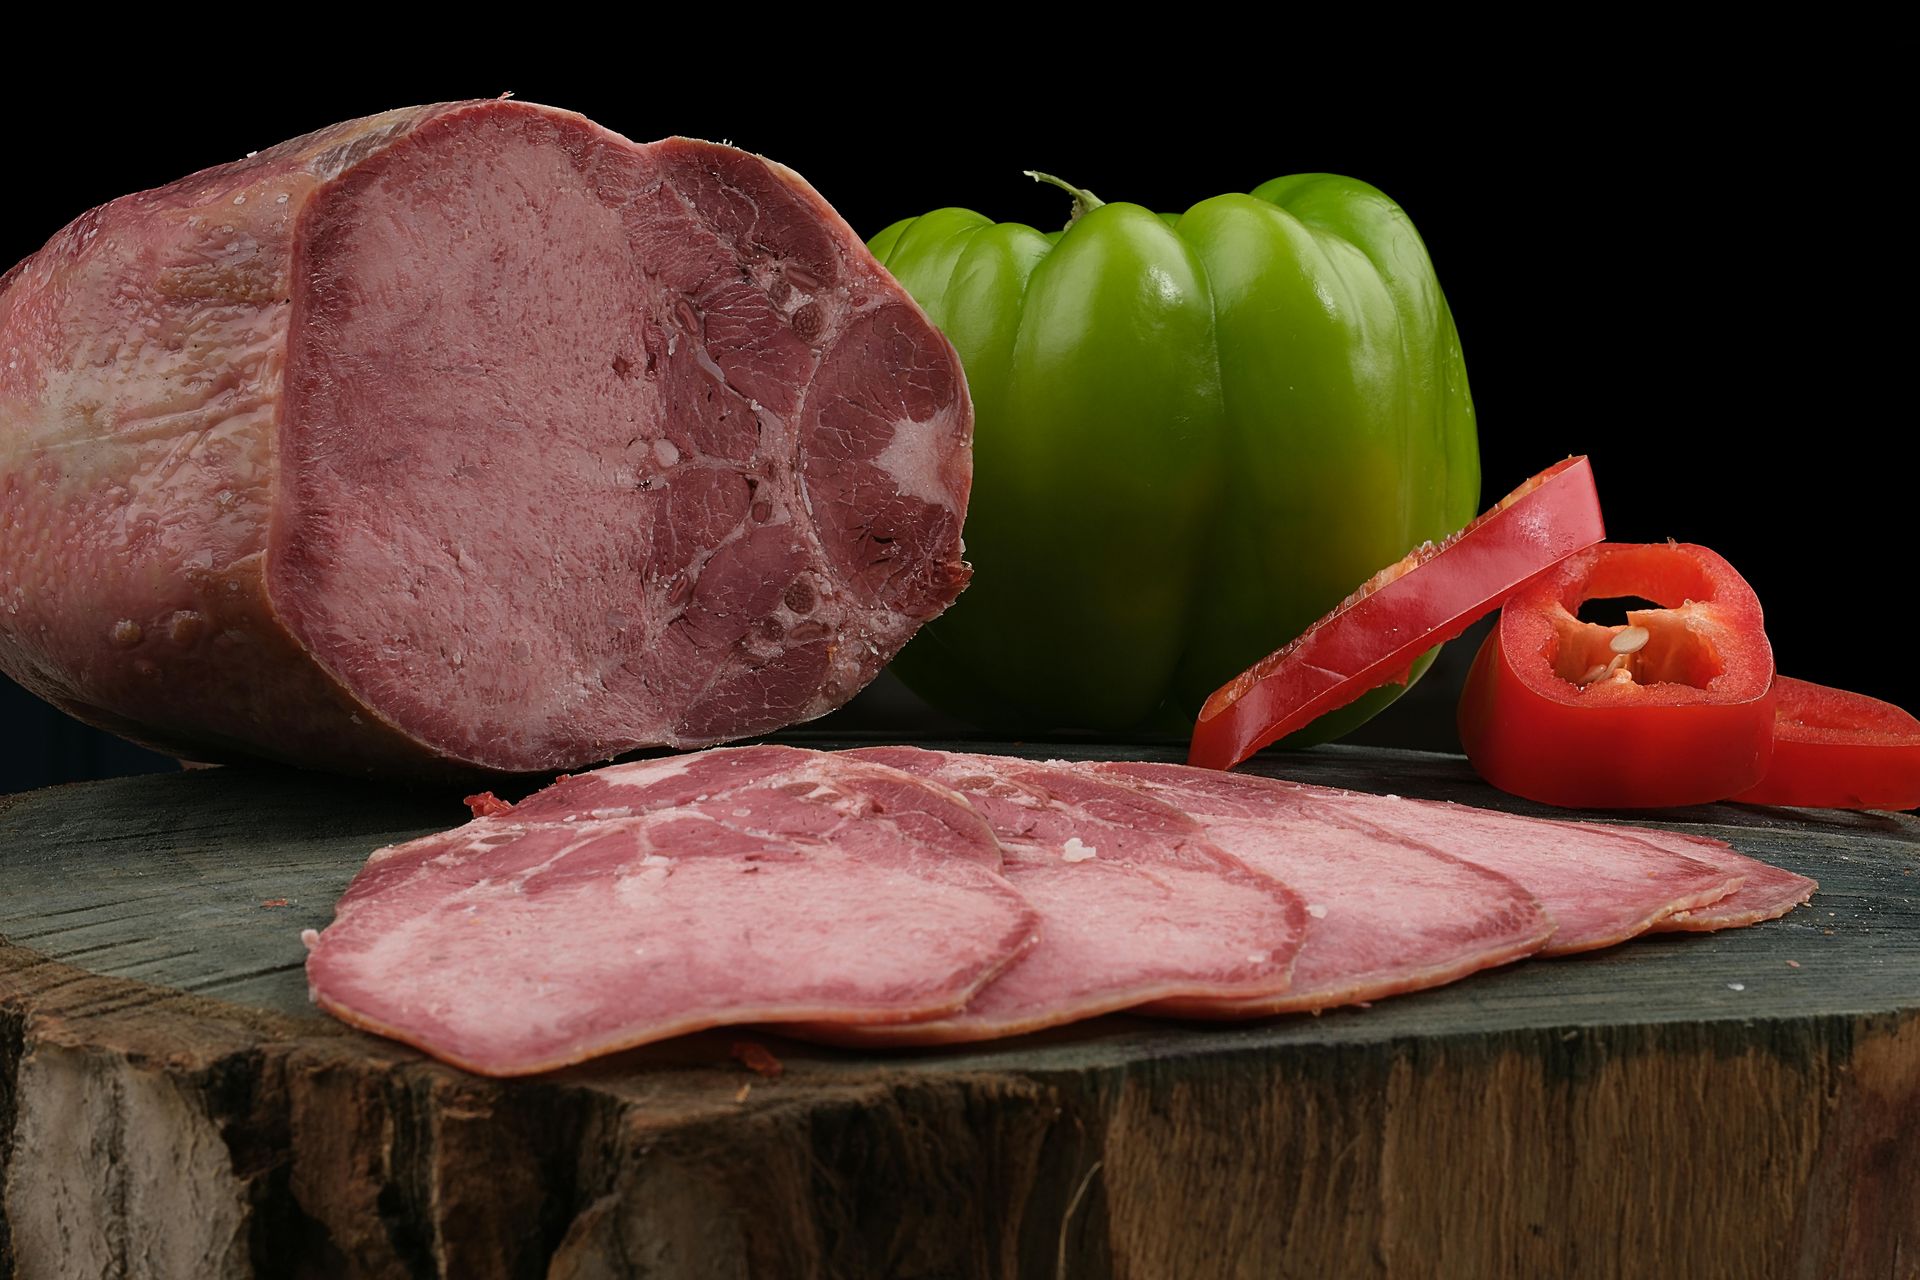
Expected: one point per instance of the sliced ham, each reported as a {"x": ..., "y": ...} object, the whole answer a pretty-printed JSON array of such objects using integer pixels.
[
  {"x": 1602, "y": 885},
  {"x": 1765, "y": 892},
  {"x": 1387, "y": 914},
  {"x": 1136, "y": 904},
  {"x": 758, "y": 884}
]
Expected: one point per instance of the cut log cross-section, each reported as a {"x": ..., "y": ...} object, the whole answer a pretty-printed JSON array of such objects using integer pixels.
[{"x": 1738, "y": 1104}]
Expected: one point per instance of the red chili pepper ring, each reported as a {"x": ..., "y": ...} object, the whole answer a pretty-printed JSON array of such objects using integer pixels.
[
  {"x": 1676, "y": 706},
  {"x": 1838, "y": 750}
]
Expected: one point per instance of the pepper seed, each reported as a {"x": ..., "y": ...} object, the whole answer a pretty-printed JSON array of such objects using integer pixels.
[{"x": 1631, "y": 640}]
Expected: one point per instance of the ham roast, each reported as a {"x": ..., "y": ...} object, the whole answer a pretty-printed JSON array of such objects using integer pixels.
[{"x": 468, "y": 436}]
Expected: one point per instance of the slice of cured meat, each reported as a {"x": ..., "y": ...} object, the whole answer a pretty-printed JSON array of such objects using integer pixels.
[
  {"x": 1765, "y": 892},
  {"x": 1602, "y": 885},
  {"x": 469, "y": 435},
  {"x": 1387, "y": 914},
  {"x": 1136, "y": 904},
  {"x": 755, "y": 884}
]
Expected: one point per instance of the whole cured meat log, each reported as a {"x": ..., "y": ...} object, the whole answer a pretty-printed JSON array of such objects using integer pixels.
[
  {"x": 1135, "y": 903},
  {"x": 752, "y": 884},
  {"x": 469, "y": 435}
]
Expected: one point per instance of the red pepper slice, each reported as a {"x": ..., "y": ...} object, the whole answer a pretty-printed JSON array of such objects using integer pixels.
[
  {"x": 1838, "y": 750},
  {"x": 1674, "y": 707},
  {"x": 1428, "y": 598}
]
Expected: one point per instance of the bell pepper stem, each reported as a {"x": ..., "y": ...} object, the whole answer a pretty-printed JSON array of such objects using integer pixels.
[{"x": 1084, "y": 202}]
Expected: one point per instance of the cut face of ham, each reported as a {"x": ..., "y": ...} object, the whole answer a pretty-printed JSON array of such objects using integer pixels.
[
  {"x": 1386, "y": 914},
  {"x": 469, "y": 436},
  {"x": 1601, "y": 885},
  {"x": 758, "y": 884},
  {"x": 1136, "y": 904}
]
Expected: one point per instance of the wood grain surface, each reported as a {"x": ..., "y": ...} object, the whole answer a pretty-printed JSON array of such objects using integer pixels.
[{"x": 1744, "y": 1104}]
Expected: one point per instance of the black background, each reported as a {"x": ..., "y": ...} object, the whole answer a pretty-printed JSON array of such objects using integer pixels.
[{"x": 1686, "y": 282}]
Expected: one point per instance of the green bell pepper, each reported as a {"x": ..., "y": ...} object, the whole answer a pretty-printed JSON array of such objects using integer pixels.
[{"x": 1195, "y": 434}]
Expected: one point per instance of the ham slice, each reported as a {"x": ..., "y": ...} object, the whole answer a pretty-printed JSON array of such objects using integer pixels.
[
  {"x": 1602, "y": 885},
  {"x": 1765, "y": 892},
  {"x": 1388, "y": 914},
  {"x": 1136, "y": 904},
  {"x": 757, "y": 884}
]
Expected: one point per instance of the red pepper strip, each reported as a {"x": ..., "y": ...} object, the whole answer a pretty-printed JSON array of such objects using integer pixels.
[
  {"x": 1407, "y": 608},
  {"x": 1838, "y": 750},
  {"x": 1674, "y": 707}
]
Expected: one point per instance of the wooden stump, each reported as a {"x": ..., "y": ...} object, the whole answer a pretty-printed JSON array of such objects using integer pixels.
[{"x": 1744, "y": 1104}]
